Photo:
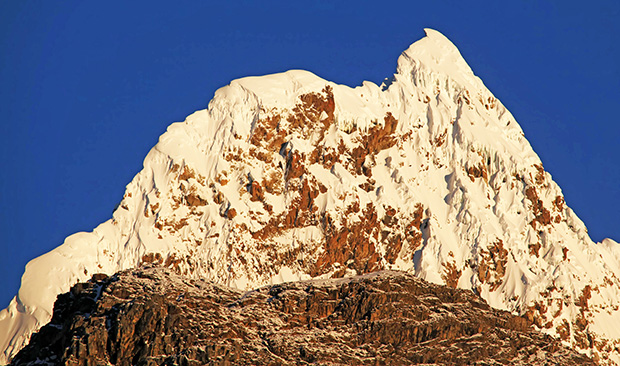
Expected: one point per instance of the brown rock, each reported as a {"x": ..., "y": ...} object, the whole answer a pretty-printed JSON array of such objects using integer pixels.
[
  {"x": 542, "y": 215},
  {"x": 256, "y": 191},
  {"x": 152, "y": 316},
  {"x": 231, "y": 213}
]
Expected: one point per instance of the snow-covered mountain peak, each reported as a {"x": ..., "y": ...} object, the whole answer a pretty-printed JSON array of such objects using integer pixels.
[
  {"x": 272, "y": 88},
  {"x": 436, "y": 53},
  {"x": 289, "y": 176}
]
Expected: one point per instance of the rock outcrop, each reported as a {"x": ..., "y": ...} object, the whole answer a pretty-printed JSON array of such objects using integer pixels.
[
  {"x": 154, "y": 316},
  {"x": 291, "y": 177}
]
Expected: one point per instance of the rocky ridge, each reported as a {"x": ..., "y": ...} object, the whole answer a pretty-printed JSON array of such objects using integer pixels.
[
  {"x": 153, "y": 316},
  {"x": 290, "y": 177}
]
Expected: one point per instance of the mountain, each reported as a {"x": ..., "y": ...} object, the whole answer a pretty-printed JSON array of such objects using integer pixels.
[
  {"x": 290, "y": 177},
  {"x": 386, "y": 317}
]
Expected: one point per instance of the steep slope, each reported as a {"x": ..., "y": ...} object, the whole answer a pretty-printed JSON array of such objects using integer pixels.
[
  {"x": 290, "y": 177},
  {"x": 385, "y": 317}
]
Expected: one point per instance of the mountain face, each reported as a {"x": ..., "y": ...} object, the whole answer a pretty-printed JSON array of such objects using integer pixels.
[
  {"x": 153, "y": 316},
  {"x": 290, "y": 177}
]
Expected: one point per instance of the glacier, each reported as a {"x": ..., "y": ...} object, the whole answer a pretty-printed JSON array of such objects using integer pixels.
[{"x": 290, "y": 177}]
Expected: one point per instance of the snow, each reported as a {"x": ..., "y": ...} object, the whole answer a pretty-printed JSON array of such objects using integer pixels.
[
  {"x": 440, "y": 56},
  {"x": 448, "y": 122}
]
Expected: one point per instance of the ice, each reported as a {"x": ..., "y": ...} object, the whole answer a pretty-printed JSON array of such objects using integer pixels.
[{"x": 458, "y": 153}]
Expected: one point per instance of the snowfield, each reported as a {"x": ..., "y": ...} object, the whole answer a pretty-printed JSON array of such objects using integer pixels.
[{"x": 290, "y": 177}]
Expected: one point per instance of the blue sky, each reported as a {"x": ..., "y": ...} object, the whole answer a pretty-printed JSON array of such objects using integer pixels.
[{"x": 87, "y": 87}]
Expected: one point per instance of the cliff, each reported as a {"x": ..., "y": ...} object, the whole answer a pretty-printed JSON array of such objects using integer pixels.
[{"x": 153, "y": 316}]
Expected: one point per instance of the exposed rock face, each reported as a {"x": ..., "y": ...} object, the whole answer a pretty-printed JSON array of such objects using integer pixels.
[
  {"x": 154, "y": 316},
  {"x": 291, "y": 177}
]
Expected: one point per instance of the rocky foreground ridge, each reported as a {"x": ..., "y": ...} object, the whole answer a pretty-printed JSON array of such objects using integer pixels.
[
  {"x": 154, "y": 316},
  {"x": 291, "y": 177}
]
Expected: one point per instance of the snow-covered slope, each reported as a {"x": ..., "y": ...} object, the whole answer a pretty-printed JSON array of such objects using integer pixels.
[{"x": 289, "y": 176}]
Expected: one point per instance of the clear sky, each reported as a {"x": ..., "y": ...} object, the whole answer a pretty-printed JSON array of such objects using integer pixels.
[{"x": 87, "y": 87}]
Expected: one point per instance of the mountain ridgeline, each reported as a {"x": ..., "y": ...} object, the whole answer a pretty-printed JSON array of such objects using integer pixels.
[
  {"x": 153, "y": 316},
  {"x": 290, "y": 177}
]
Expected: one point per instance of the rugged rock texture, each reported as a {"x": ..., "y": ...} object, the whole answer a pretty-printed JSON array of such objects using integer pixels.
[
  {"x": 290, "y": 177},
  {"x": 154, "y": 316}
]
